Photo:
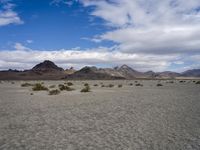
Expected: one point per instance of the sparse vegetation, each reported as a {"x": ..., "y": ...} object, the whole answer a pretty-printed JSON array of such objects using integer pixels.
[
  {"x": 39, "y": 87},
  {"x": 69, "y": 83},
  {"x": 139, "y": 84},
  {"x": 26, "y": 84},
  {"x": 31, "y": 94},
  {"x": 102, "y": 85},
  {"x": 95, "y": 84},
  {"x": 131, "y": 84},
  {"x": 198, "y": 82},
  {"x": 159, "y": 84},
  {"x": 86, "y": 89},
  {"x": 54, "y": 92},
  {"x": 110, "y": 85},
  {"x": 12, "y": 82},
  {"x": 120, "y": 85},
  {"x": 65, "y": 87},
  {"x": 182, "y": 81},
  {"x": 86, "y": 84}
]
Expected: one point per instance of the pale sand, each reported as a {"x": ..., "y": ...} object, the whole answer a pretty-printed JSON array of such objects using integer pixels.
[{"x": 127, "y": 118}]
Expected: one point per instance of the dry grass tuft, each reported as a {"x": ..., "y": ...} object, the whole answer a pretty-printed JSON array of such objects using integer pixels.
[
  {"x": 86, "y": 89},
  {"x": 54, "y": 92},
  {"x": 64, "y": 87},
  {"x": 138, "y": 84},
  {"x": 159, "y": 84},
  {"x": 26, "y": 84},
  {"x": 120, "y": 85},
  {"x": 39, "y": 87}
]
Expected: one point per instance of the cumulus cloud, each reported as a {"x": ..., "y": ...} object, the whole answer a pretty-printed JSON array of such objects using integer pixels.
[
  {"x": 154, "y": 26},
  {"x": 7, "y": 14},
  {"x": 26, "y": 59}
]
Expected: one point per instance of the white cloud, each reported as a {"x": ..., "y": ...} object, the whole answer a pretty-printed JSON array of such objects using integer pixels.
[
  {"x": 8, "y": 15},
  {"x": 20, "y": 47},
  {"x": 26, "y": 59},
  {"x": 154, "y": 26}
]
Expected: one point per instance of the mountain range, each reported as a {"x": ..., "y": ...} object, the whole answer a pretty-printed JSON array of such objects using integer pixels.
[{"x": 48, "y": 70}]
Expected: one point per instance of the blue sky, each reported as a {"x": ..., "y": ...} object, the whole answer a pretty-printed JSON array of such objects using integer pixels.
[
  {"x": 145, "y": 34},
  {"x": 51, "y": 26}
]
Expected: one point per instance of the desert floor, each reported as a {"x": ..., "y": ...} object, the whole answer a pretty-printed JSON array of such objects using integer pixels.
[{"x": 128, "y": 118}]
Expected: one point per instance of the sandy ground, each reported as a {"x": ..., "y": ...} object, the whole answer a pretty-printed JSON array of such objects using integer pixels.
[{"x": 126, "y": 118}]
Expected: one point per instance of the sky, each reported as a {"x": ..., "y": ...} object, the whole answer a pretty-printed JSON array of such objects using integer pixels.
[{"x": 144, "y": 34}]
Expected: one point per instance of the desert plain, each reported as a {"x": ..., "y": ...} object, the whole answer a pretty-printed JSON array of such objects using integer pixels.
[{"x": 130, "y": 117}]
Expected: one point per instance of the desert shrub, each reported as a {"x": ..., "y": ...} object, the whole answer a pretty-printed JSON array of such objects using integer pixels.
[
  {"x": 12, "y": 82},
  {"x": 198, "y": 82},
  {"x": 54, "y": 92},
  {"x": 194, "y": 81},
  {"x": 95, "y": 85},
  {"x": 69, "y": 83},
  {"x": 110, "y": 85},
  {"x": 39, "y": 87},
  {"x": 136, "y": 81},
  {"x": 171, "y": 81},
  {"x": 131, "y": 84},
  {"x": 138, "y": 84},
  {"x": 31, "y": 94},
  {"x": 120, "y": 85},
  {"x": 86, "y": 89},
  {"x": 66, "y": 88},
  {"x": 102, "y": 85},
  {"x": 26, "y": 84},
  {"x": 52, "y": 86},
  {"x": 159, "y": 84},
  {"x": 181, "y": 81},
  {"x": 86, "y": 84}
]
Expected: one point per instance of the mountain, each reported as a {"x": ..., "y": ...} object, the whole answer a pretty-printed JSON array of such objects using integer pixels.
[
  {"x": 46, "y": 66},
  {"x": 93, "y": 73},
  {"x": 191, "y": 73},
  {"x": 47, "y": 70},
  {"x": 169, "y": 74},
  {"x": 128, "y": 72}
]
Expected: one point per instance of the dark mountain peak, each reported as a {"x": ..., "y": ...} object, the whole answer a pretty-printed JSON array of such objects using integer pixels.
[
  {"x": 125, "y": 67},
  {"x": 47, "y": 66},
  {"x": 88, "y": 69}
]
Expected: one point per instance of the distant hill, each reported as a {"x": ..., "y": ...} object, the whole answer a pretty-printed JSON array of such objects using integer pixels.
[
  {"x": 47, "y": 70},
  {"x": 92, "y": 73},
  {"x": 47, "y": 66},
  {"x": 191, "y": 73}
]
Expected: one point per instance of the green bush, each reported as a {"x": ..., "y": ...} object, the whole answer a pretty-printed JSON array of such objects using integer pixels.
[
  {"x": 86, "y": 89},
  {"x": 26, "y": 84},
  {"x": 54, "y": 92},
  {"x": 39, "y": 87}
]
